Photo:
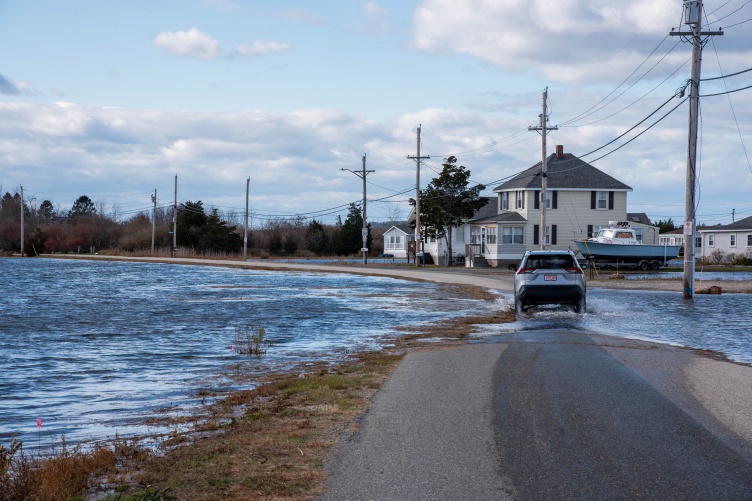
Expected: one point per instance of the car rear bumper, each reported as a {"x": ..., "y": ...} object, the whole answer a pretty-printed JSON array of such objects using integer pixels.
[{"x": 557, "y": 294}]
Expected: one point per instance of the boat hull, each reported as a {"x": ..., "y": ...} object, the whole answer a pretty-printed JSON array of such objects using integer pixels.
[{"x": 627, "y": 253}]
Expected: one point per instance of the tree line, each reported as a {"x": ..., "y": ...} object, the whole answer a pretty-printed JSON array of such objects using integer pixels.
[{"x": 199, "y": 230}]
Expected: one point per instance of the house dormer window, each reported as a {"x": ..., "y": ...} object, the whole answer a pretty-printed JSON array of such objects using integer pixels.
[
  {"x": 505, "y": 201},
  {"x": 520, "y": 199}
]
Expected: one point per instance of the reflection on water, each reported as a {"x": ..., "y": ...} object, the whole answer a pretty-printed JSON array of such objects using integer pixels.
[
  {"x": 94, "y": 348},
  {"x": 714, "y": 322}
]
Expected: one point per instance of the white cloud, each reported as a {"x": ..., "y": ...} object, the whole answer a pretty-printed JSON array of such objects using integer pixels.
[
  {"x": 191, "y": 43},
  {"x": 259, "y": 47},
  {"x": 560, "y": 39},
  {"x": 376, "y": 18}
]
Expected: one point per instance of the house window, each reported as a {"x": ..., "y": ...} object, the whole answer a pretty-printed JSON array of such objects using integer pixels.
[
  {"x": 505, "y": 201},
  {"x": 513, "y": 235},
  {"x": 749, "y": 240},
  {"x": 393, "y": 242},
  {"x": 491, "y": 235},
  {"x": 732, "y": 240},
  {"x": 711, "y": 240},
  {"x": 475, "y": 235},
  {"x": 548, "y": 235},
  {"x": 520, "y": 199},
  {"x": 698, "y": 242},
  {"x": 602, "y": 200}
]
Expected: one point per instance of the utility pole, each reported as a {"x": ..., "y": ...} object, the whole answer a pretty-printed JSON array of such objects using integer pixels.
[
  {"x": 175, "y": 221},
  {"x": 362, "y": 174},
  {"x": 418, "y": 158},
  {"x": 692, "y": 18},
  {"x": 543, "y": 128},
  {"x": 245, "y": 235},
  {"x": 22, "y": 222},
  {"x": 153, "y": 219}
]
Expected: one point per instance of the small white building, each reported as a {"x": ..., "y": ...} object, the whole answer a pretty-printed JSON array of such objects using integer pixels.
[
  {"x": 734, "y": 238},
  {"x": 396, "y": 239}
]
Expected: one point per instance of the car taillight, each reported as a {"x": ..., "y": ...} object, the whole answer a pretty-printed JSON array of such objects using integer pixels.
[
  {"x": 526, "y": 270},
  {"x": 574, "y": 270}
]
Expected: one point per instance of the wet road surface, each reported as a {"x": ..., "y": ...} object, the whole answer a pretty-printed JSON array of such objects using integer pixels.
[
  {"x": 531, "y": 415},
  {"x": 571, "y": 422}
]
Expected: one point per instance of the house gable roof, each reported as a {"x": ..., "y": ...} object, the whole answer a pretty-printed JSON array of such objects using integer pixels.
[
  {"x": 404, "y": 228},
  {"x": 638, "y": 217},
  {"x": 742, "y": 224},
  {"x": 568, "y": 172}
]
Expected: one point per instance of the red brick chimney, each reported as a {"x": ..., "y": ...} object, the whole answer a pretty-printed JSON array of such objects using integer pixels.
[{"x": 559, "y": 151}]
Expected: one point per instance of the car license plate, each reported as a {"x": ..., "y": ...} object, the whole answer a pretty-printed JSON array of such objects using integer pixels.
[{"x": 550, "y": 278}]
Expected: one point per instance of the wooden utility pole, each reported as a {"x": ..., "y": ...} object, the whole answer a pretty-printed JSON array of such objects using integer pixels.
[
  {"x": 418, "y": 158},
  {"x": 153, "y": 219},
  {"x": 22, "y": 222},
  {"x": 692, "y": 18},
  {"x": 543, "y": 128},
  {"x": 245, "y": 235},
  {"x": 364, "y": 232},
  {"x": 175, "y": 221}
]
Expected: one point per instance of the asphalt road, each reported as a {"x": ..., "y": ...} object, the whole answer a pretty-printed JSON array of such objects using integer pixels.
[{"x": 531, "y": 415}]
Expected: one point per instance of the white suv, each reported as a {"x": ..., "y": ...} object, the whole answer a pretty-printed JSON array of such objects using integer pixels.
[{"x": 549, "y": 277}]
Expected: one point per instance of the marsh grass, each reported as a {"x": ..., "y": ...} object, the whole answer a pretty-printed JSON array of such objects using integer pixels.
[
  {"x": 64, "y": 472},
  {"x": 251, "y": 340}
]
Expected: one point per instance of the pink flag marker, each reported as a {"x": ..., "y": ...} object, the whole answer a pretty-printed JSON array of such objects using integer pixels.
[{"x": 39, "y": 422}]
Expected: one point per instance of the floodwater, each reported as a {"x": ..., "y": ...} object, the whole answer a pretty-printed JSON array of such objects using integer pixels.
[
  {"x": 720, "y": 323},
  {"x": 97, "y": 348}
]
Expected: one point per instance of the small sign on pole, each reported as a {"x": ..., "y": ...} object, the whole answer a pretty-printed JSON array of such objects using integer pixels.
[{"x": 688, "y": 227}]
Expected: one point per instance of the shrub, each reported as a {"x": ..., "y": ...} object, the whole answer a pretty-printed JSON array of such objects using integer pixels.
[
  {"x": 716, "y": 257},
  {"x": 251, "y": 340}
]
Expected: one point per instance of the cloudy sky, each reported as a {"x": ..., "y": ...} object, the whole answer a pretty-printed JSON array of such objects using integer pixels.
[{"x": 113, "y": 99}]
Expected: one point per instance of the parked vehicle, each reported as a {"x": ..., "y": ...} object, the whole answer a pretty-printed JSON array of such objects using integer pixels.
[
  {"x": 549, "y": 277},
  {"x": 618, "y": 245}
]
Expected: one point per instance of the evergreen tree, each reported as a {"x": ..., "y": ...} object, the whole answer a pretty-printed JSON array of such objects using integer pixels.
[
  {"x": 348, "y": 237},
  {"x": 447, "y": 202},
  {"x": 316, "y": 238},
  {"x": 82, "y": 207}
]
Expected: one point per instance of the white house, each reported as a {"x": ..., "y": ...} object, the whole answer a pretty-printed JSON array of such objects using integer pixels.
[
  {"x": 396, "y": 239},
  {"x": 734, "y": 238}
]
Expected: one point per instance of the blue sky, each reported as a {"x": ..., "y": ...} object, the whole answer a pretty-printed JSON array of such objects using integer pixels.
[{"x": 113, "y": 99}]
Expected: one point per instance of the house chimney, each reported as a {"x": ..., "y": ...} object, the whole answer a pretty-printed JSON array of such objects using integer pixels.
[{"x": 559, "y": 151}]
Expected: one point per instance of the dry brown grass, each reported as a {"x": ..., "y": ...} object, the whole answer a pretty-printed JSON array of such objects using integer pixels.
[{"x": 64, "y": 472}]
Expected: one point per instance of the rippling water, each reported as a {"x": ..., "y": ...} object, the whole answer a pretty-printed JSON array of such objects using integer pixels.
[
  {"x": 715, "y": 322},
  {"x": 95, "y": 348}
]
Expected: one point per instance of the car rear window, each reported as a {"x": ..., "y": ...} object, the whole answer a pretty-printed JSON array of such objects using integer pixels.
[{"x": 563, "y": 261}]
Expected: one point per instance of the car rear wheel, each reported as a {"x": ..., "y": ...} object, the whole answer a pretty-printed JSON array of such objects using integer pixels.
[
  {"x": 581, "y": 305},
  {"x": 519, "y": 306}
]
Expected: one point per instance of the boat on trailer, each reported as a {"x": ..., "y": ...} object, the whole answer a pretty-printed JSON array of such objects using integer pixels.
[{"x": 617, "y": 244}]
